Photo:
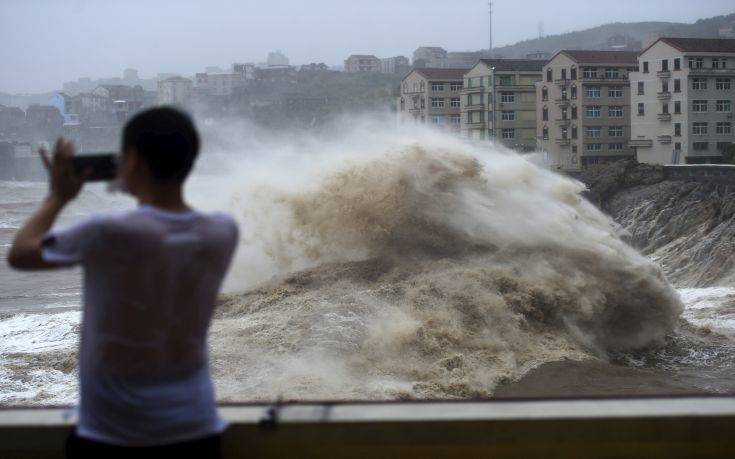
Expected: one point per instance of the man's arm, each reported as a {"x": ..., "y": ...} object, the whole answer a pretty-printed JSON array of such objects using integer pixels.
[{"x": 64, "y": 185}]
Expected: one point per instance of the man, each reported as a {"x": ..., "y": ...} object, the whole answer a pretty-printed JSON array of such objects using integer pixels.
[{"x": 151, "y": 279}]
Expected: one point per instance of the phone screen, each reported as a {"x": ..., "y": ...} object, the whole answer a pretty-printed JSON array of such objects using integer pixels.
[{"x": 103, "y": 166}]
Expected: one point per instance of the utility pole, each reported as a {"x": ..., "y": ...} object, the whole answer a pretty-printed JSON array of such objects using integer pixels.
[{"x": 490, "y": 38}]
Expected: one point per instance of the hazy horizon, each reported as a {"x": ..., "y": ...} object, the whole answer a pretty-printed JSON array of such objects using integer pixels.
[{"x": 48, "y": 43}]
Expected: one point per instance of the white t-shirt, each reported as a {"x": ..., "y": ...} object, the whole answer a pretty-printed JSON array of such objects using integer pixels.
[{"x": 151, "y": 279}]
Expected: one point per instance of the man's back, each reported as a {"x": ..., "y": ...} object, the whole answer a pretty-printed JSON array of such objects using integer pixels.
[{"x": 151, "y": 282}]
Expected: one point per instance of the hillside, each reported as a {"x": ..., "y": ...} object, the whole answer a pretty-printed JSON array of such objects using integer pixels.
[{"x": 601, "y": 37}]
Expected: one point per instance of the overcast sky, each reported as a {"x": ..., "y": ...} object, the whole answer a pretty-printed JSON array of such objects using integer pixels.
[{"x": 47, "y": 42}]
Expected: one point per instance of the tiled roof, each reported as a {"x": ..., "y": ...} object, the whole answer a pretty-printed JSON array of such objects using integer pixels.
[
  {"x": 523, "y": 65},
  {"x": 442, "y": 74},
  {"x": 702, "y": 45},
  {"x": 602, "y": 57}
]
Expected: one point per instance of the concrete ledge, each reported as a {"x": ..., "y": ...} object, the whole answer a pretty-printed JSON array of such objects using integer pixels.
[{"x": 669, "y": 427}]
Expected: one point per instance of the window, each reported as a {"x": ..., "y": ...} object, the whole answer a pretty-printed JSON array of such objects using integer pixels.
[
  {"x": 549, "y": 75},
  {"x": 665, "y": 109},
  {"x": 677, "y": 129},
  {"x": 699, "y": 106},
  {"x": 593, "y": 111},
  {"x": 593, "y": 132},
  {"x": 507, "y": 97},
  {"x": 509, "y": 133},
  {"x": 677, "y": 63},
  {"x": 589, "y": 72},
  {"x": 545, "y": 133},
  {"x": 696, "y": 63},
  {"x": 454, "y": 119},
  {"x": 592, "y": 92},
  {"x": 615, "y": 131},
  {"x": 455, "y": 87},
  {"x": 564, "y": 133},
  {"x": 574, "y": 92},
  {"x": 612, "y": 74},
  {"x": 664, "y": 65},
  {"x": 454, "y": 102},
  {"x": 724, "y": 127},
  {"x": 699, "y": 146},
  {"x": 405, "y": 87},
  {"x": 437, "y": 119},
  {"x": 715, "y": 63},
  {"x": 563, "y": 74},
  {"x": 677, "y": 107},
  {"x": 665, "y": 86},
  {"x": 437, "y": 102},
  {"x": 545, "y": 114},
  {"x": 641, "y": 88},
  {"x": 574, "y": 132},
  {"x": 615, "y": 146},
  {"x": 677, "y": 146},
  {"x": 615, "y": 111},
  {"x": 563, "y": 93},
  {"x": 574, "y": 113},
  {"x": 505, "y": 80},
  {"x": 724, "y": 106},
  {"x": 615, "y": 91},
  {"x": 437, "y": 86},
  {"x": 699, "y": 129},
  {"x": 593, "y": 147},
  {"x": 421, "y": 86},
  {"x": 699, "y": 84},
  {"x": 677, "y": 85},
  {"x": 574, "y": 150},
  {"x": 423, "y": 103},
  {"x": 544, "y": 93},
  {"x": 573, "y": 73},
  {"x": 645, "y": 67},
  {"x": 723, "y": 145},
  {"x": 641, "y": 109},
  {"x": 722, "y": 84},
  {"x": 563, "y": 113},
  {"x": 508, "y": 116}
]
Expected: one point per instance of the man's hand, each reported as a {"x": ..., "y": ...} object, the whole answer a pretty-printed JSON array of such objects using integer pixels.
[{"x": 64, "y": 183}]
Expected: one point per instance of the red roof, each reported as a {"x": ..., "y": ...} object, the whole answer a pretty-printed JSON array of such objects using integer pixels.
[
  {"x": 701, "y": 45},
  {"x": 601, "y": 57},
  {"x": 442, "y": 74}
]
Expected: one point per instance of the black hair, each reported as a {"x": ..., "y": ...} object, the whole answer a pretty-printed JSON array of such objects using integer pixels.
[{"x": 166, "y": 139}]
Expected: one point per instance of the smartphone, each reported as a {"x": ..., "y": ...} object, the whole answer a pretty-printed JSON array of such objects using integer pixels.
[{"x": 103, "y": 166}]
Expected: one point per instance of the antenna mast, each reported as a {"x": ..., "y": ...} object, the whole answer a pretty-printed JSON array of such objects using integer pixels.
[{"x": 490, "y": 37}]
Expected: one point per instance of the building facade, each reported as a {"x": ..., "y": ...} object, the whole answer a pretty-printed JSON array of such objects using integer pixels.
[
  {"x": 499, "y": 102},
  {"x": 174, "y": 91},
  {"x": 429, "y": 57},
  {"x": 682, "y": 100},
  {"x": 583, "y": 108},
  {"x": 358, "y": 63},
  {"x": 398, "y": 65},
  {"x": 432, "y": 96}
]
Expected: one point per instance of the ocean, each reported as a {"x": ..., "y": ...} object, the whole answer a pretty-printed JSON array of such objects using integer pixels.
[{"x": 430, "y": 269}]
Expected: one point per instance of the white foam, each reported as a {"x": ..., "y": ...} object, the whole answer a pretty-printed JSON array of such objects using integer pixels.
[
  {"x": 708, "y": 307},
  {"x": 35, "y": 333}
]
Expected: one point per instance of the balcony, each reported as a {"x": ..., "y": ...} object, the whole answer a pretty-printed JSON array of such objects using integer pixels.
[
  {"x": 664, "y": 95},
  {"x": 474, "y": 125},
  {"x": 664, "y": 139},
  {"x": 563, "y": 142},
  {"x": 719, "y": 72},
  {"x": 620, "y": 79},
  {"x": 473, "y": 107},
  {"x": 563, "y": 121},
  {"x": 474, "y": 90},
  {"x": 563, "y": 81},
  {"x": 664, "y": 74},
  {"x": 664, "y": 116},
  {"x": 562, "y": 102},
  {"x": 640, "y": 143}
]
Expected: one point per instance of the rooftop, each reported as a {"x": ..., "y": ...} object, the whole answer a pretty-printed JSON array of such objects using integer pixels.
[
  {"x": 601, "y": 57},
  {"x": 442, "y": 74},
  {"x": 528, "y": 65},
  {"x": 702, "y": 45},
  {"x": 362, "y": 56}
]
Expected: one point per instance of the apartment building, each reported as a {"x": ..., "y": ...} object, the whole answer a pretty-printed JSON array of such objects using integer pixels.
[
  {"x": 510, "y": 83},
  {"x": 358, "y": 63},
  {"x": 682, "y": 101},
  {"x": 583, "y": 108},
  {"x": 430, "y": 95},
  {"x": 174, "y": 91}
]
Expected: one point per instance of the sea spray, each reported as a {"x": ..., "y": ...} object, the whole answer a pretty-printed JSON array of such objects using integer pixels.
[{"x": 427, "y": 267}]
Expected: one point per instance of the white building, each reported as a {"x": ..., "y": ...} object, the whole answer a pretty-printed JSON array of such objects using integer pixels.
[
  {"x": 682, "y": 101},
  {"x": 174, "y": 91}
]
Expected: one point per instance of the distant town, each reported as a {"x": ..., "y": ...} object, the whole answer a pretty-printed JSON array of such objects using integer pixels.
[{"x": 668, "y": 101}]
